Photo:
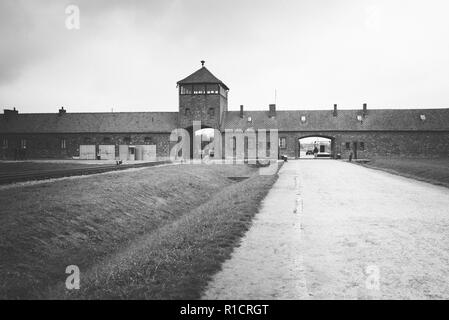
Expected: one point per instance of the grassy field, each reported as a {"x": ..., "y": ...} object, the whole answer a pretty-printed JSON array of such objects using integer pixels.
[
  {"x": 435, "y": 171},
  {"x": 155, "y": 233}
]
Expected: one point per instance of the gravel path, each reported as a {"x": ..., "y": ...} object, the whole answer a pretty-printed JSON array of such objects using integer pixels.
[{"x": 334, "y": 230}]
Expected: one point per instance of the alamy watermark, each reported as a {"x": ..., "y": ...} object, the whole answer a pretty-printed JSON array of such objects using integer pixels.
[
  {"x": 72, "y": 21},
  {"x": 372, "y": 281},
  {"x": 233, "y": 146},
  {"x": 73, "y": 280}
]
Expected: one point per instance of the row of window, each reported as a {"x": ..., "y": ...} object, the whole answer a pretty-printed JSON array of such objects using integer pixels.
[
  {"x": 63, "y": 142},
  {"x": 23, "y": 143},
  {"x": 189, "y": 89},
  {"x": 108, "y": 140},
  {"x": 5, "y": 143},
  {"x": 210, "y": 112},
  {"x": 282, "y": 142}
]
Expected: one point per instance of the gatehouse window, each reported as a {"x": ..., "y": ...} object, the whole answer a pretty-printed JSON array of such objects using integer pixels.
[
  {"x": 148, "y": 140},
  {"x": 282, "y": 142},
  {"x": 63, "y": 144},
  {"x": 5, "y": 143},
  {"x": 223, "y": 92},
  {"x": 348, "y": 146},
  {"x": 186, "y": 89},
  {"x": 212, "y": 89},
  {"x": 362, "y": 146},
  {"x": 199, "y": 89},
  {"x": 23, "y": 144}
]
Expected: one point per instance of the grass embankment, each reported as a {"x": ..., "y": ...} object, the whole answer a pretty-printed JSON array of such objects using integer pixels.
[
  {"x": 435, "y": 171},
  {"x": 20, "y": 167},
  {"x": 156, "y": 233}
]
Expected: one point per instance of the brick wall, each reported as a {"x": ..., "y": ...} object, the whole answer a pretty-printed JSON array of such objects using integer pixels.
[
  {"x": 47, "y": 146},
  {"x": 376, "y": 144},
  {"x": 199, "y": 109}
]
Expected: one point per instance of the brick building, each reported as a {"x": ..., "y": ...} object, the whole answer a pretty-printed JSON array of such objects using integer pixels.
[{"x": 366, "y": 133}]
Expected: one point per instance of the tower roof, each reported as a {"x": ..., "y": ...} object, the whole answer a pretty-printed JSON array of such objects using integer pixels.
[{"x": 202, "y": 75}]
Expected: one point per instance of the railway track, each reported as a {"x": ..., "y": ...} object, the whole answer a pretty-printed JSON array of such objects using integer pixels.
[{"x": 6, "y": 178}]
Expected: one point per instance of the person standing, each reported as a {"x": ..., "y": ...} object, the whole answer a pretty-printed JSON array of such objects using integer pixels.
[{"x": 315, "y": 152}]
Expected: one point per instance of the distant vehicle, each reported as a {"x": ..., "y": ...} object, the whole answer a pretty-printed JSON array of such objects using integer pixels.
[
  {"x": 323, "y": 155},
  {"x": 309, "y": 152}
]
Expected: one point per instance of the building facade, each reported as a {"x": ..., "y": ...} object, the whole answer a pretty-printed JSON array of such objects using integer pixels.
[{"x": 364, "y": 133}]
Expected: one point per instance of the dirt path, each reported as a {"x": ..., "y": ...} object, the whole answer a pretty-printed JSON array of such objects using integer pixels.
[{"x": 333, "y": 230}]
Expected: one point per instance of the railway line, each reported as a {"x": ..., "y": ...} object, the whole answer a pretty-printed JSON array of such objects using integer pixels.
[{"x": 32, "y": 175}]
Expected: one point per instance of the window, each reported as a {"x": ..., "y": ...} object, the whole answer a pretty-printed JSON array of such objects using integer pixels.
[
  {"x": 348, "y": 145},
  {"x": 422, "y": 117},
  {"x": 106, "y": 140},
  {"x": 63, "y": 144},
  {"x": 223, "y": 92},
  {"x": 211, "y": 112},
  {"x": 359, "y": 117},
  {"x": 186, "y": 89},
  {"x": 249, "y": 119},
  {"x": 187, "y": 112},
  {"x": 127, "y": 140},
  {"x": 5, "y": 143},
  {"x": 282, "y": 142},
  {"x": 199, "y": 89},
  {"x": 362, "y": 146},
  {"x": 23, "y": 144},
  {"x": 303, "y": 119},
  {"x": 148, "y": 140},
  {"x": 212, "y": 89}
]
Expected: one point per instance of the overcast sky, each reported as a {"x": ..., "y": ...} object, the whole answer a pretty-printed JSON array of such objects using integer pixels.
[{"x": 128, "y": 55}]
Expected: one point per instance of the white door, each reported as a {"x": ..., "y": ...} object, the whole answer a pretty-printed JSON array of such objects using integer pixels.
[
  {"x": 123, "y": 151},
  {"x": 147, "y": 152},
  {"x": 107, "y": 152},
  {"x": 87, "y": 152}
]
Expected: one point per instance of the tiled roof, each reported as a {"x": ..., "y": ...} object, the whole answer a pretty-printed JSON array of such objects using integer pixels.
[
  {"x": 89, "y": 122},
  {"x": 323, "y": 120},
  {"x": 202, "y": 75},
  {"x": 316, "y": 120}
]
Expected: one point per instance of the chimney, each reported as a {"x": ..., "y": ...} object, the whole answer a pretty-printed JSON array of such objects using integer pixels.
[
  {"x": 9, "y": 114},
  {"x": 335, "y": 110},
  {"x": 62, "y": 111},
  {"x": 365, "y": 111},
  {"x": 272, "y": 112},
  {"x": 241, "y": 111}
]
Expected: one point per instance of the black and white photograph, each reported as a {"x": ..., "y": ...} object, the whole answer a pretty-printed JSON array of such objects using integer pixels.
[{"x": 217, "y": 151}]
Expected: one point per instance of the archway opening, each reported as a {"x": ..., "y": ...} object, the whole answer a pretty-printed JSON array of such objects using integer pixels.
[
  {"x": 315, "y": 147},
  {"x": 205, "y": 149}
]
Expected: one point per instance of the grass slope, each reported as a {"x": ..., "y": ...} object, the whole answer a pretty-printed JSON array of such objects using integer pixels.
[
  {"x": 151, "y": 233},
  {"x": 435, "y": 171},
  {"x": 31, "y": 167}
]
